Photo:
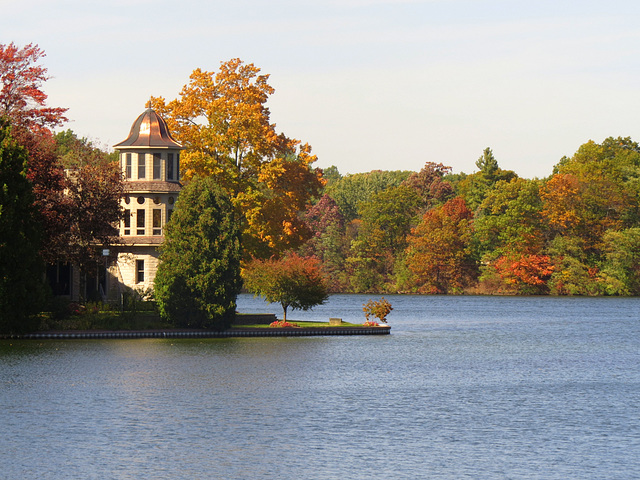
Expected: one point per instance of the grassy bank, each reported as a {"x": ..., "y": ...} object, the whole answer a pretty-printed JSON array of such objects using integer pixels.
[{"x": 95, "y": 319}]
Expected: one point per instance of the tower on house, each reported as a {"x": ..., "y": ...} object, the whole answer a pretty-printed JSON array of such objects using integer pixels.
[{"x": 150, "y": 163}]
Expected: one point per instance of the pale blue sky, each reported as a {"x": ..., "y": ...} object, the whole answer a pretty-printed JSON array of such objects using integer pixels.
[{"x": 370, "y": 84}]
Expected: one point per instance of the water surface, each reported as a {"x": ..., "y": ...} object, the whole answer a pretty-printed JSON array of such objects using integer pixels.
[{"x": 464, "y": 387}]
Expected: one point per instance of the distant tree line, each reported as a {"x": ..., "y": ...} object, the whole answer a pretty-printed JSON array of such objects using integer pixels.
[{"x": 576, "y": 232}]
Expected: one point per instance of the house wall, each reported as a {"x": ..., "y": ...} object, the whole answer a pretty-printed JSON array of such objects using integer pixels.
[{"x": 127, "y": 266}]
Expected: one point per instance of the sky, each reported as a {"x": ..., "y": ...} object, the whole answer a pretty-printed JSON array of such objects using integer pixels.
[{"x": 369, "y": 84}]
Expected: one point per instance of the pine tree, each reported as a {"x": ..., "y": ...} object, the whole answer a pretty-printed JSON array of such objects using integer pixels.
[
  {"x": 21, "y": 291},
  {"x": 198, "y": 279}
]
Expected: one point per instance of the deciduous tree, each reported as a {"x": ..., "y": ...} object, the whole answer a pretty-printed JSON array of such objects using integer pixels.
[
  {"x": 21, "y": 97},
  {"x": 439, "y": 253},
  {"x": 430, "y": 184},
  {"x": 294, "y": 282},
  {"x": 328, "y": 241},
  {"x": 223, "y": 121},
  {"x": 350, "y": 190},
  {"x": 90, "y": 205},
  {"x": 621, "y": 267}
]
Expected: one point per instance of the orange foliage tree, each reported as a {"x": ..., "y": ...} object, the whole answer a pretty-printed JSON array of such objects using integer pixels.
[
  {"x": 439, "y": 253},
  {"x": 527, "y": 274},
  {"x": 223, "y": 121}
]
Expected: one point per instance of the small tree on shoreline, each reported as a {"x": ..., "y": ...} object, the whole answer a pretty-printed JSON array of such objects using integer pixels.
[{"x": 294, "y": 282}]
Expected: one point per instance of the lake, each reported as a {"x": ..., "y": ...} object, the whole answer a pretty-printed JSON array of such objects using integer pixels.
[{"x": 464, "y": 387}]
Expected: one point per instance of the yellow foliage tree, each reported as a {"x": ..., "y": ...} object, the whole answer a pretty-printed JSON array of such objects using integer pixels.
[{"x": 223, "y": 121}]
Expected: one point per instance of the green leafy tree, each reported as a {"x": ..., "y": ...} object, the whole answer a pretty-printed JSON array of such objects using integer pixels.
[
  {"x": 293, "y": 281},
  {"x": 20, "y": 268},
  {"x": 509, "y": 220},
  {"x": 621, "y": 267},
  {"x": 475, "y": 187},
  {"x": 198, "y": 279},
  {"x": 350, "y": 190},
  {"x": 386, "y": 220}
]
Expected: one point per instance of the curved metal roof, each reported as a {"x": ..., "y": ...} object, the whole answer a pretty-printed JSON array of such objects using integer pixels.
[{"x": 149, "y": 131}]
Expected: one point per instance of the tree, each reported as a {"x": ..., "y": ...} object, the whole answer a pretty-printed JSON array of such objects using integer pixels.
[
  {"x": 509, "y": 220},
  {"x": 198, "y": 278},
  {"x": 328, "y": 241},
  {"x": 223, "y": 121},
  {"x": 21, "y": 96},
  {"x": 525, "y": 273},
  {"x": 350, "y": 190},
  {"x": 20, "y": 268},
  {"x": 439, "y": 253},
  {"x": 621, "y": 268},
  {"x": 594, "y": 191},
  {"x": 91, "y": 203},
  {"x": 22, "y": 100},
  {"x": 475, "y": 187},
  {"x": 386, "y": 220},
  {"x": 487, "y": 164},
  {"x": 293, "y": 281},
  {"x": 430, "y": 184}
]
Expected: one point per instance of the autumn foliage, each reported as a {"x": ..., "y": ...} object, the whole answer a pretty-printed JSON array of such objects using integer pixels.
[
  {"x": 293, "y": 281},
  {"x": 223, "y": 121},
  {"x": 377, "y": 308},
  {"x": 439, "y": 254}
]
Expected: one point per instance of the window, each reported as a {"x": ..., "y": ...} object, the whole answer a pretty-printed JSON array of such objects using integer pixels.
[
  {"x": 140, "y": 222},
  {"x": 142, "y": 167},
  {"x": 128, "y": 166},
  {"x": 127, "y": 222},
  {"x": 169, "y": 166},
  {"x": 157, "y": 164},
  {"x": 139, "y": 271},
  {"x": 157, "y": 221},
  {"x": 178, "y": 166}
]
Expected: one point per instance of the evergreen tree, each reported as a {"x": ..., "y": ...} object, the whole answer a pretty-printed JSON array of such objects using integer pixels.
[
  {"x": 20, "y": 268},
  {"x": 198, "y": 279}
]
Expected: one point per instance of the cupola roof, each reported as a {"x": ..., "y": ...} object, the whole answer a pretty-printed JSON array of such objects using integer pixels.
[{"x": 149, "y": 131}]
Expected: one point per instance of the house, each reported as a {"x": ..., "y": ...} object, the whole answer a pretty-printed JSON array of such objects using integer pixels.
[
  {"x": 150, "y": 166},
  {"x": 150, "y": 163}
]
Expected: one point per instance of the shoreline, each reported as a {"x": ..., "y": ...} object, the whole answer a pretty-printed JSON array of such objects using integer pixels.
[{"x": 230, "y": 333}]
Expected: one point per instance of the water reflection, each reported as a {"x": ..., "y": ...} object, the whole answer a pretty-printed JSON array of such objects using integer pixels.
[{"x": 464, "y": 387}]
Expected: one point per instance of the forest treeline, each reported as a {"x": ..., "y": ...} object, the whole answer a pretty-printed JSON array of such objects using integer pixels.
[{"x": 576, "y": 232}]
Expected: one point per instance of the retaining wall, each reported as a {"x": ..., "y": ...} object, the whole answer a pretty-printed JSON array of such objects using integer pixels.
[{"x": 238, "y": 332}]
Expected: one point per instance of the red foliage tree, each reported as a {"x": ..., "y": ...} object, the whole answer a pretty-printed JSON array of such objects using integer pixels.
[
  {"x": 292, "y": 281},
  {"x": 430, "y": 185},
  {"x": 21, "y": 96},
  {"x": 76, "y": 209},
  {"x": 526, "y": 273}
]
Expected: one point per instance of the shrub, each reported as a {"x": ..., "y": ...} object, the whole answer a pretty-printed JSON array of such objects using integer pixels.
[
  {"x": 377, "y": 308},
  {"x": 283, "y": 324}
]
